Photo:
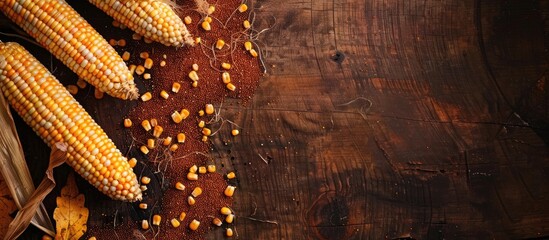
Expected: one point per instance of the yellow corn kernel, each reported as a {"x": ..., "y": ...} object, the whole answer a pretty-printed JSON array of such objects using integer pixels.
[
  {"x": 204, "y": 138},
  {"x": 92, "y": 238},
  {"x": 226, "y": 66},
  {"x": 206, "y": 26},
  {"x": 193, "y": 169},
  {"x": 158, "y": 131},
  {"x": 229, "y": 232},
  {"x": 81, "y": 83},
  {"x": 242, "y": 8},
  {"x": 195, "y": 66},
  {"x": 179, "y": 186},
  {"x": 229, "y": 191},
  {"x": 231, "y": 175},
  {"x": 201, "y": 124},
  {"x": 156, "y": 220},
  {"x": 132, "y": 68},
  {"x": 193, "y": 75},
  {"x": 148, "y": 63},
  {"x": 175, "y": 223},
  {"x": 248, "y": 46},
  {"x": 143, "y": 206},
  {"x": 188, "y": 20},
  {"x": 253, "y": 53},
  {"x": 126, "y": 56},
  {"x": 192, "y": 176},
  {"x": 147, "y": 76},
  {"x": 181, "y": 137},
  {"x": 194, "y": 224},
  {"x": 219, "y": 44},
  {"x": 226, "y": 77},
  {"x": 139, "y": 70},
  {"x": 136, "y": 36},
  {"x": 195, "y": 84},
  {"x": 144, "y": 149},
  {"x": 235, "y": 132},
  {"x": 206, "y": 131},
  {"x": 113, "y": 42},
  {"x": 246, "y": 24},
  {"x": 145, "y": 224},
  {"x": 144, "y": 55},
  {"x": 167, "y": 141},
  {"x": 176, "y": 117},
  {"x": 122, "y": 42},
  {"x": 231, "y": 87},
  {"x": 191, "y": 201},
  {"x": 209, "y": 109},
  {"x": 225, "y": 211},
  {"x": 185, "y": 113},
  {"x": 150, "y": 143},
  {"x": 196, "y": 192},
  {"x": 198, "y": 40},
  {"x": 145, "y": 180},
  {"x": 174, "y": 147},
  {"x": 182, "y": 216},
  {"x": 132, "y": 162},
  {"x": 202, "y": 170},
  {"x": 154, "y": 122},
  {"x": 229, "y": 218},
  {"x": 162, "y": 63},
  {"x": 201, "y": 113},
  {"x": 146, "y": 125},
  {"x": 217, "y": 222},
  {"x": 146, "y": 97},
  {"x": 175, "y": 87},
  {"x": 211, "y": 9},
  {"x": 98, "y": 94},
  {"x": 211, "y": 168},
  {"x": 164, "y": 94}
]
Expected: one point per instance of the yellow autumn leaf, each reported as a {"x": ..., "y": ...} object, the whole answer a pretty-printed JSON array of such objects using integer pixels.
[
  {"x": 7, "y": 206},
  {"x": 70, "y": 215}
]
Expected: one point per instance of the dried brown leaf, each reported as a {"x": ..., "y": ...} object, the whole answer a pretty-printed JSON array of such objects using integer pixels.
[
  {"x": 70, "y": 215},
  {"x": 7, "y": 206}
]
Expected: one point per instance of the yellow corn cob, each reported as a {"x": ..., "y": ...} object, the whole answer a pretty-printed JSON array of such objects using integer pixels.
[
  {"x": 153, "y": 19},
  {"x": 56, "y": 116},
  {"x": 62, "y": 31}
]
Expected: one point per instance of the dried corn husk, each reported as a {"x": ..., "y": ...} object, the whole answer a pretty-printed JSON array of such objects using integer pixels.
[{"x": 15, "y": 171}]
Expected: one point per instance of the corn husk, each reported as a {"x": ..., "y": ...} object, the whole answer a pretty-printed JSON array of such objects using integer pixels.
[{"x": 15, "y": 171}]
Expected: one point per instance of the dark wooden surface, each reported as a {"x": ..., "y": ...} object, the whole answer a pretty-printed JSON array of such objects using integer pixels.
[{"x": 388, "y": 119}]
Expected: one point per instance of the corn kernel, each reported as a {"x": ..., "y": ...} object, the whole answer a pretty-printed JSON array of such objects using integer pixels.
[
  {"x": 231, "y": 175},
  {"x": 164, "y": 94},
  {"x": 209, "y": 109},
  {"x": 73, "y": 89},
  {"x": 192, "y": 176},
  {"x": 139, "y": 70},
  {"x": 182, "y": 216},
  {"x": 185, "y": 113},
  {"x": 196, "y": 192},
  {"x": 132, "y": 162},
  {"x": 201, "y": 113},
  {"x": 158, "y": 131},
  {"x": 246, "y": 24},
  {"x": 202, "y": 170},
  {"x": 204, "y": 138},
  {"x": 126, "y": 56},
  {"x": 206, "y": 131},
  {"x": 122, "y": 42},
  {"x": 174, "y": 147},
  {"x": 146, "y": 96},
  {"x": 248, "y": 46},
  {"x": 226, "y": 66},
  {"x": 194, "y": 224},
  {"x": 143, "y": 206},
  {"x": 206, "y": 26},
  {"x": 98, "y": 94},
  {"x": 201, "y": 124},
  {"x": 253, "y": 53},
  {"x": 136, "y": 36},
  {"x": 122, "y": 26},
  {"x": 188, "y": 20},
  {"x": 195, "y": 84},
  {"x": 242, "y": 8},
  {"x": 145, "y": 180},
  {"x": 229, "y": 232},
  {"x": 167, "y": 141},
  {"x": 195, "y": 66},
  {"x": 144, "y": 149},
  {"x": 150, "y": 143},
  {"x": 211, "y": 9},
  {"x": 181, "y": 137},
  {"x": 145, "y": 224},
  {"x": 144, "y": 55},
  {"x": 113, "y": 42},
  {"x": 147, "y": 76},
  {"x": 229, "y": 191},
  {"x": 191, "y": 201},
  {"x": 132, "y": 68},
  {"x": 154, "y": 122},
  {"x": 198, "y": 40},
  {"x": 143, "y": 188},
  {"x": 156, "y": 220},
  {"x": 81, "y": 83},
  {"x": 148, "y": 63},
  {"x": 211, "y": 168},
  {"x": 146, "y": 125},
  {"x": 219, "y": 44},
  {"x": 175, "y": 223},
  {"x": 175, "y": 87},
  {"x": 179, "y": 186},
  {"x": 229, "y": 218},
  {"x": 193, "y": 75},
  {"x": 226, "y": 77},
  {"x": 226, "y": 211},
  {"x": 231, "y": 87},
  {"x": 217, "y": 222},
  {"x": 147, "y": 40},
  {"x": 115, "y": 24},
  {"x": 92, "y": 238},
  {"x": 162, "y": 63},
  {"x": 193, "y": 169},
  {"x": 235, "y": 132},
  {"x": 176, "y": 117},
  {"x": 164, "y": 56}
]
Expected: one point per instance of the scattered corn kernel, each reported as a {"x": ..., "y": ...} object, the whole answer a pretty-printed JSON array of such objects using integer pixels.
[
  {"x": 194, "y": 84},
  {"x": 164, "y": 56},
  {"x": 175, "y": 223},
  {"x": 182, "y": 216},
  {"x": 143, "y": 206},
  {"x": 192, "y": 176},
  {"x": 226, "y": 77},
  {"x": 229, "y": 218},
  {"x": 211, "y": 168},
  {"x": 136, "y": 36},
  {"x": 98, "y": 94},
  {"x": 154, "y": 122},
  {"x": 248, "y": 46},
  {"x": 143, "y": 188},
  {"x": 167, "y": 141},
  {"x": 226, "y": 66},
  {"x": 242, "y": 8},
  {"x": 92, "y": 238},
  {"x": 113, "y": 42},
  {"x": 46, "y": 237},
  {"x": 174, "y": 147},
  {"x": 145, "y": 180},
  {"x": 181, "y": 137},
  {"x": 126, "y": 56},
  {"x": 158, "y": 131},
  {"x": 194, "y": 224},
  {"x": 229, "y": 232},
  {"x": 246, "y": 24},
  {"x": 132, "y": 68},
  {"x": 146, "y": 125},
  {"x": 235, "y": 132},
  {"x": 195, "y": 66},
  {"x": 201, "y": 124},
  {"x": 164, "y": 94},
  {"x": 201, "y": 113},
  {"x": 202, "y": 170},
  {"x": 231, "y": 175},
  {"x": 206, "y": 131},
  {"x": 209, "y": 109},
  {"x": 156, "y": 220},
  {"x": 226, "y": 211},
  {"x": 81, "y": 83},
  {"x": 204, "y": 138},
  {"x": 146, "y": 96},
  {"x": 147, "y": 76},
  {"x": 196, "y": 192},
  {"x": 193, "y": 169},
  {"x": 122, "y": 42},
  {"x": 229, "y": 191},
  {"x": 179, "y": 186},
  {"x": 176, "y": 117},
  {"x": 211, "y": 9},
  {"x": 219, "y": 44},
  {"x": 217, "y": 222},
  {"x": 231, "y": 86},
  {"x": 73, "y": 89},
  {"x": 132, "y": 162},
  {"x": 150, "y": 143},
  {"x": 144, "y": 55},
  {"x": 253, "y": 53},
  {"x": 198, "y": 40},
  {"x": 115, "y": 23},
  {"x": 175, "y": 87},
  {"x": 122, "y": 26},
  {"x": 144, "y": 149},
  {"x": 191, "y": 201},
  {"x": 188, "y": 20},
  {"x": 185, "y": 113},
  {"x": 162, "y": 63},
  {"x": 145, "y": 224},
  {"x": 148, "y": 63},
  {"x": 193, "y": 75},
  {"x": 139, "y": 70},
  {"x": 206, "y": 26}
]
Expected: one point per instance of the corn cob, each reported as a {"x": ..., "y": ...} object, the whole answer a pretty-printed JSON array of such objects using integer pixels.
[
  {"x": 153, "y": 19},
  {"x": 62, "y": 31},
  {"x": 52, "y": 112}
]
